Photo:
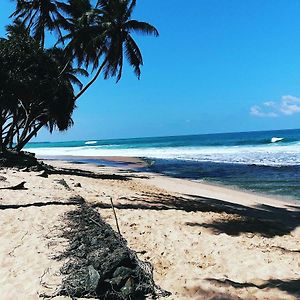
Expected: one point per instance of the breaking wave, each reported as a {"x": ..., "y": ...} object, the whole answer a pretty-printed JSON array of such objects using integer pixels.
[{"x": 258, "y": 155}]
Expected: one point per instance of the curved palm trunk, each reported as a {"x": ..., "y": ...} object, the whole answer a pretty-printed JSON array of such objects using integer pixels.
[
  {"x": 23, "y": 142},
  {"x": 8, "y": 141},
  {"x": 92, "y": 81}
]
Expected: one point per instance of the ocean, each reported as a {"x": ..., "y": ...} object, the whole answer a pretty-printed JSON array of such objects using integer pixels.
[{"x": 266, "y": 161}]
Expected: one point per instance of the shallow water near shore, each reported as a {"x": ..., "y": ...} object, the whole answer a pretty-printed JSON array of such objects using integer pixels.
[
  {"x": 271, "y": 180},
  {"x": 265, "y": 162}
]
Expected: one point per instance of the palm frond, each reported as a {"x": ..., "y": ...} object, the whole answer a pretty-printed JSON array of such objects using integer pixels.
[
  {"x": 132, "y": 57},
  {"x": 141, "y": 27},
  {"x": 130, "y": 10},
  {"x": 74, "y": 80}
]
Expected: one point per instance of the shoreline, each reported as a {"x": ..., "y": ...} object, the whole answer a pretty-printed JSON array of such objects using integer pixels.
[
  {"x": 122, "y": 161},
  {"x": 139, "y": 164},
  {"x": 204, "y": 242}
]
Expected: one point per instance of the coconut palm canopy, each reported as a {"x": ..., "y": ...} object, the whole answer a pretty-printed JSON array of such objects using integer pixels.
[{"x": 39, "y": 83}]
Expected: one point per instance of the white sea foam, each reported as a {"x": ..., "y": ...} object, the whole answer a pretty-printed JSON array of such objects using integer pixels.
[
  {"x": 90, "y": 143},
  {"x": 276, "y": 139},
  {"x": 273, "y": 154}
]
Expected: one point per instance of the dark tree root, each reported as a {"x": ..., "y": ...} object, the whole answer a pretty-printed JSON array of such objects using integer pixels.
[{"x": 99, "y": 263}]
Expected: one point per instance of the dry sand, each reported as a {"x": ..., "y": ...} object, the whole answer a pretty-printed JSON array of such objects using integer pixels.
[{"x": 204, "y": 241}]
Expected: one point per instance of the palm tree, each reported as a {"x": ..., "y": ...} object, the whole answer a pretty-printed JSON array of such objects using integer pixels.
[
  {"x": 68, "y": 73},
  {"x": 104, "y": 34},
  {"x": 84, "y": 40},
  {"x": 97, "y": 38},
  {"x": 41, "y": 15}
]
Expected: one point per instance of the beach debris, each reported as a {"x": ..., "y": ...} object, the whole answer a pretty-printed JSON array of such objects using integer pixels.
[
  {"x": 78, "y": 184},
  {"x": 115, "y": 215},
  {"x": 99, "y": 264},
  {"x": 63, "y": 183},
  {"x": 43, "y": 174},
  {"x": 88, "y": 174},
  {"x": 2, "y": 178},
  {"x": 20, "y": 186}
]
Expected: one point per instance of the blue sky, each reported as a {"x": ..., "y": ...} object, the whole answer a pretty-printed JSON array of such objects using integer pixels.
[{"x": 218, "y": 66}]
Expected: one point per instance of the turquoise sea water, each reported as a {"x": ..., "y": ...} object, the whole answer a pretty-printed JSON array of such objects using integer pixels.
[{"x": 266, "y": 161}]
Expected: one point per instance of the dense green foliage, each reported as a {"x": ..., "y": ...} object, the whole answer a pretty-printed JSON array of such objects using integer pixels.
[
  {"x": 32, "y": 94},
  {"x": 38, "y": 85}
]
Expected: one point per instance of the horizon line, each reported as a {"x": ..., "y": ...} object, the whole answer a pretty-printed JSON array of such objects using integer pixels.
[{"x": 163, "y": 136}]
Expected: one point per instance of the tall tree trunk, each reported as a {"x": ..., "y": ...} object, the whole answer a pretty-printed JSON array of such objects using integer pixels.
[
  {"x": 25, "y": 130},
  {"x": 23, "y": 142},
  {"x": 92, "y": 81},
  {"x": 10, "y": 134}
]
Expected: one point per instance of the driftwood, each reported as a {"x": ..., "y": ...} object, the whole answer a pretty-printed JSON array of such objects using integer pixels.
[
  {"x": 113, "y": 208},
  {"x": 20, "y": 186}
]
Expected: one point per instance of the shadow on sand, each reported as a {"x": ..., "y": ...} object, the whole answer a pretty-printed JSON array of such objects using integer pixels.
[
  {"x": 291, "y": 287},
  {"x": 35, "y": 204},
  {"x": 269, "y": 221},
  {"x": 85, "y": 173}
]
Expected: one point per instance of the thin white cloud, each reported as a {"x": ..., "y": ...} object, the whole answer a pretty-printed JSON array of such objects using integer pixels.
[
  {"x": 258, "y": 112},
  {"x": 288, "y": 105}
]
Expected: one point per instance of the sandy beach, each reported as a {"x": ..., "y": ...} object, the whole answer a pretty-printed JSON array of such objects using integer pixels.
[{"x": 204, "y": 241}]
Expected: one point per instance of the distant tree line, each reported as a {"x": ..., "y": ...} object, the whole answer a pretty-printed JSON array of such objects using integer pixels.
[{"x": 41, "y": 81}]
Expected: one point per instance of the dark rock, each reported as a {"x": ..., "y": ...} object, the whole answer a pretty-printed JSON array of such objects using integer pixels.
[
  {"x": 77, "y": 184},
  {"x": 119, "y": 257}
]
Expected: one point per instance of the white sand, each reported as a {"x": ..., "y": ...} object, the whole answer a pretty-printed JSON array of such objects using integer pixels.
[{"x": 192, "y": 258}]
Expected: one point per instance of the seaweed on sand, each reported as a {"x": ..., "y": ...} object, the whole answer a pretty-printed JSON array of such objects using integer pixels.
[{"x": 99, "y": 263}]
